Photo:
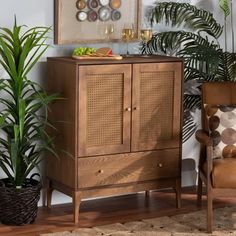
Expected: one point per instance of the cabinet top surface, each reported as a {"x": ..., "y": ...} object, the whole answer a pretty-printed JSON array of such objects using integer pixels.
[{"x": 132, "y": 59}]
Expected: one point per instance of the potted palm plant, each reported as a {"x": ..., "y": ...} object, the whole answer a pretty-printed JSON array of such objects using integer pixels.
[
  {"x": 194, "y": 37},
  {"x": 23, "y": 122}
]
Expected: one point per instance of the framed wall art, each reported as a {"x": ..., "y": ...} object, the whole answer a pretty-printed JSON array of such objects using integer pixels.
[{"x": 95, "y": 21}]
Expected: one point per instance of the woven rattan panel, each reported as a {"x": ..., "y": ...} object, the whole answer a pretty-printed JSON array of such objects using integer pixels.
[
  {"x": 105, "y": 95},
  {"x": 156, "y": 105}
]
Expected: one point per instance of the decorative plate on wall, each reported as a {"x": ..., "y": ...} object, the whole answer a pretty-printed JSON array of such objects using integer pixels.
[
  {"x": 93, "y": 3},
  {"x": 104, "y": 13},
  {"x": 104, "y": 2},
  {"x": 115, "y": 4},
  {"x": 81, "y": 16},
  {"x": 92, "y": 16},
  {"x": 115, "y": 15},
  {"x": 81, "y": 4}
]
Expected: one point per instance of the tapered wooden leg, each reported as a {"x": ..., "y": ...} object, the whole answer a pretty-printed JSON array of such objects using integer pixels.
[
  {"x": 209, "y": 212},
  {"x": 76, "y": 202},
  {"x": 147, "y": 193},
  {"x": 209, "y": 190},
  {"x": 209, "y": 206},
  {"x": 49, "y": 193},
  {"x": 199, "y": 191},
  {"x": 178, "y": 193}
]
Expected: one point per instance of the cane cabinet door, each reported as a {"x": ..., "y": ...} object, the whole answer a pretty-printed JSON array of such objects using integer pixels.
[
  {"x": 104, "y": 109},
  {"x": 156, "y": 106}
]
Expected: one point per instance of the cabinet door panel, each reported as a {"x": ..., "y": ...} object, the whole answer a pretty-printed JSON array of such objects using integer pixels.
[
  {"x": 156, "y": 117},
  {"x": 104, "y": 109}
]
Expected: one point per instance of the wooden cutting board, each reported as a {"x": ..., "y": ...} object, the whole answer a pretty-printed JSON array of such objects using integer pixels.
[{"x": 85, "y": 57}]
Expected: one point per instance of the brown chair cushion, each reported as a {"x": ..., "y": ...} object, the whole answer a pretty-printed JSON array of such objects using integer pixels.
[
  {"x": 222, "y": 129},
  {"x": 223, "y": 173}
]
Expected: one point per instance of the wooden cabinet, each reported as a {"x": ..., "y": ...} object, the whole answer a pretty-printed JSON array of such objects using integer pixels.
[{"x": 120, "y": 126}]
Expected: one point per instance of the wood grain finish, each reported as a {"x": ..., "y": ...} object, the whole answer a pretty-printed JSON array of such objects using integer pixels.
[
  {"x": 156, "y": 101},
  {"x": 128, "y": 168},
  {"x": 121, "y": 126},
  {"x": 132, "y": 59},
  {"x": 104, "y": 100},
  {"x": 63, "y": 115}
]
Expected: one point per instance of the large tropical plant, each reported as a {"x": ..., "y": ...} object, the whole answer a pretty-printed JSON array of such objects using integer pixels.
[
  {"x": 194, "y": 37},
  {"x": 23, "y": 111}
]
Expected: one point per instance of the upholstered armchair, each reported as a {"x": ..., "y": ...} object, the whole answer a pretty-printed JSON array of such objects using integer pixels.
[{"x": 217, "y": 164}]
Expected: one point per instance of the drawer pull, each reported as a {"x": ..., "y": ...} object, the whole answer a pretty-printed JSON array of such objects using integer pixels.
[
  {"x": 160, "y": 165},
  {"x": 101, "y": 171},
  {"x": 128, "y": 109}
]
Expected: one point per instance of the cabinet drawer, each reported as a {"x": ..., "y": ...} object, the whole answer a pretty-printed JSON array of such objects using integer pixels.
[{"x": 128, "y": 168}]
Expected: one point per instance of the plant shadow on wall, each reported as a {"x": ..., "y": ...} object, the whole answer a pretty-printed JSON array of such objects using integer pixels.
[
  {"x": 23, "y": 122},
  {"x": 197, "y": 43}
]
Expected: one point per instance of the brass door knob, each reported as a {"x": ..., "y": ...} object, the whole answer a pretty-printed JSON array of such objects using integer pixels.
[{"x": 128, "y": 109}]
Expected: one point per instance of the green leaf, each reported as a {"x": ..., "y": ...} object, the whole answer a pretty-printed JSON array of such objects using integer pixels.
[
  {"x": 16, "y": 133},
  {"x": 204, "y": 60},
  {"x": 224, "y": 5},
  {"x": 14, "y": 152},
  {"x": 21, "y": 117},
  {"x": 5, "y": 169},
  {"x": 183, "y": 14},
  {"x": 9, "y": 58}
]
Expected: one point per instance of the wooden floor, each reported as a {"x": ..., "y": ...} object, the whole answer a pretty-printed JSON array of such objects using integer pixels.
[{"x": 110, "y": 210}]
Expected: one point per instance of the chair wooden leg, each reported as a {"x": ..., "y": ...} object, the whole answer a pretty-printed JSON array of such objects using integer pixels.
[
  {"x": 147, "y": 193},
  {"x": 178, "y": 193},
  {"x": 199, "y": 191},
  {"x": 76, "y": 202},
  {"x": 209, "y": 190},
  {"x": 209, "y": 211},
  {"x": 49, "y": 193}
]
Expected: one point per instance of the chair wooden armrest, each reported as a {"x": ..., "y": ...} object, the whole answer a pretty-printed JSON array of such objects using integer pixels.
[{"x": 203, "y": 137}]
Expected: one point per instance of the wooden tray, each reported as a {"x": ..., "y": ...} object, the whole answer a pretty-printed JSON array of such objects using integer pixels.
[{"x": 112, "y": 57}]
